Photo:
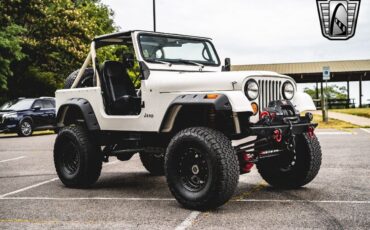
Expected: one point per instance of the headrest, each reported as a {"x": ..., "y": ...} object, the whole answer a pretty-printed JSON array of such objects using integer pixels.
[{"x": 113, "y": 68}]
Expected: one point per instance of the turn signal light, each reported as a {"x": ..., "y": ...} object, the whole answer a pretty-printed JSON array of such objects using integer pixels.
[
  {"x": 254, "y": 107},
  {"x": 211, "y": 96}
]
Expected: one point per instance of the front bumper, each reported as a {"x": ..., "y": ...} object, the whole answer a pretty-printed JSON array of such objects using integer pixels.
[
  {"x": 290, "y": 128},
  {"x": 276, "y": 133},
  {"x": 275, "y": 138},
  {"x": 8, "y": 127},
  {"x": 281, "y": 117}
]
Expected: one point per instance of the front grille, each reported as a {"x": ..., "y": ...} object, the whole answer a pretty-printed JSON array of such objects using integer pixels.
[{"x": 269, "y": 90}]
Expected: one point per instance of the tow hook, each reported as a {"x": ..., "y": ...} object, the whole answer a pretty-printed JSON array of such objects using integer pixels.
[
  {"x": 264, "y": 114},
  {"x": 248, "y": 164},
  {"x": 265, "y": 118},
  {"x": 311, "y": 131},
  {"x": 277, "y": 136}
]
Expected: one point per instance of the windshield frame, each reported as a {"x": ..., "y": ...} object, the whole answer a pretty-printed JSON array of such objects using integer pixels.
[{"x": 179, "y": 37}]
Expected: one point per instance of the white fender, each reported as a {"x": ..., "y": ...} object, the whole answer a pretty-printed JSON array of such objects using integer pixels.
[{"x": 303, "y": 102}]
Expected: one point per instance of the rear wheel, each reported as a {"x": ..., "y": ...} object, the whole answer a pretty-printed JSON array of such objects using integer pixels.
[
  {"x": 293, "y": 170},
  {"x": 25, "y": 129},
  {"x": 153, "y": 162},
  {"x": 77, "y": 159},
  {"x": 201, "y": 168}
]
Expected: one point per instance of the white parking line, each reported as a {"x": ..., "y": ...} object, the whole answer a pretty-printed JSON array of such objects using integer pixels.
[
  {"x": 172, "y": 199},
  {"x": 12, "y": 159},
  {"x": 188, "y": 221},
  {"x": 28, "y": 187},
  {"x": 41, "y": 183},
  {"x": 307, "y": 201},
  {"x": 365, "y": 130},
  {"x": 88, "y": 198}
]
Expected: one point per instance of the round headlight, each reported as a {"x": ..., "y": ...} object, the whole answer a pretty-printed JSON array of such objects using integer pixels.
[
  {"x": 288, "y": 90},
  {"x": 251, "y": 90}
]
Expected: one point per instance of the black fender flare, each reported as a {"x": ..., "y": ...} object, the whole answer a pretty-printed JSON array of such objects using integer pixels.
[
  {"x": 220, "y": 103},
  {"x": 84, "y": 107}
]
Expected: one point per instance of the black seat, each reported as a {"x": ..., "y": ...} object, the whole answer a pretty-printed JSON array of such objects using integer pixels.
[{"x": 120, "y": 91}]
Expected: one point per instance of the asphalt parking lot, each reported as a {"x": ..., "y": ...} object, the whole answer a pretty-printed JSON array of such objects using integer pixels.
[{"x": 127, "y": 197}]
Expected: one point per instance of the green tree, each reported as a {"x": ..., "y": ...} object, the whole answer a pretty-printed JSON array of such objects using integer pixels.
[
  {"x": 55, "y": 41},
  {"x": 10, "y": 50},
  {"x": 332, "y": 92}
]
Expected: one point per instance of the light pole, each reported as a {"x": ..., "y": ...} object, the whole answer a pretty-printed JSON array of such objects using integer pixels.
[{"x": 154, "y": 22}]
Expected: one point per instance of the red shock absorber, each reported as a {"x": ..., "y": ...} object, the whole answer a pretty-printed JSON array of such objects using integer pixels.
[
  {"x": 311, "y": 131},
  {"x": 277, "y": 136},
  {"x": 248, "y": 165}
]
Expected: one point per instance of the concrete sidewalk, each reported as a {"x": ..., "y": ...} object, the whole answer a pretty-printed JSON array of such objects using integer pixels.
[{"x": 357, "y": 120}]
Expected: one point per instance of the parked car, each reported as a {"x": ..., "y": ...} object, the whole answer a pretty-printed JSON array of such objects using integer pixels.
[
  {"x": 182, "y": 119},
  {"x": 25, "y": 115}
]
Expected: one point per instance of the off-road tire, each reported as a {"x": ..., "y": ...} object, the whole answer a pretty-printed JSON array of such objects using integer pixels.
[
  {"x": 21, "y": 132},
  {"x": 153, "y": 163},
  {"x": 221, "y": 160},
  {"x": 88, "y": 154},
  {"x": 89, "y": 73},
  {"x": 305, "y": 169}
]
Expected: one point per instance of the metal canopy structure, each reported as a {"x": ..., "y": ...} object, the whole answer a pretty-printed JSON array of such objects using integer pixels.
[{"x": 311, "y": 72}]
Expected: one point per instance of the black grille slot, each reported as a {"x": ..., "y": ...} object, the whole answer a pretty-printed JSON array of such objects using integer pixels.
[{"x": 269, "y": 90}]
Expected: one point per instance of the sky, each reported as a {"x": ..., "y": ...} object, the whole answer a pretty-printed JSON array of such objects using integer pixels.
[{"x": 251, "y": 31}]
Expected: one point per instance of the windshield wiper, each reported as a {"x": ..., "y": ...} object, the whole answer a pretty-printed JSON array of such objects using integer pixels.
[
  {"x": 191, "y": 62},
  {"x": 160, "y": 62}
]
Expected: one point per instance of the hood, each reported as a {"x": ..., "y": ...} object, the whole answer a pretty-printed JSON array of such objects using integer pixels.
[{"x": 166, "y": 81}]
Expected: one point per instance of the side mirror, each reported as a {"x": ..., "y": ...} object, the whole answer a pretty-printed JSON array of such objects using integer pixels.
[
  {"x": 36, "y": 108},
  {"x": 227, "y": 66}
]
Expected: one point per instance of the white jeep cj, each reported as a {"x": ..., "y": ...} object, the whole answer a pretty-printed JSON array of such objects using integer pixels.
[{"x": 187, "y": 116}]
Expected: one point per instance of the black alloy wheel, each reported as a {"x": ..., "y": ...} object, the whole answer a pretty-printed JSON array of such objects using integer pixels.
[
  {"x": 70, "y": 159},
  {"x": 193, "y": 169}
]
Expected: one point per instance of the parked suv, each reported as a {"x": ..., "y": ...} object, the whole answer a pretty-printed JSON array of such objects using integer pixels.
[
  {"x": 25, "y": 115},
  {"x": 187, "y": 116}
]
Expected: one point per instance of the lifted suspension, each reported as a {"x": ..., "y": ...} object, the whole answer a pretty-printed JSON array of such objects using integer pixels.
[{"x": 252, "y": 151}]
